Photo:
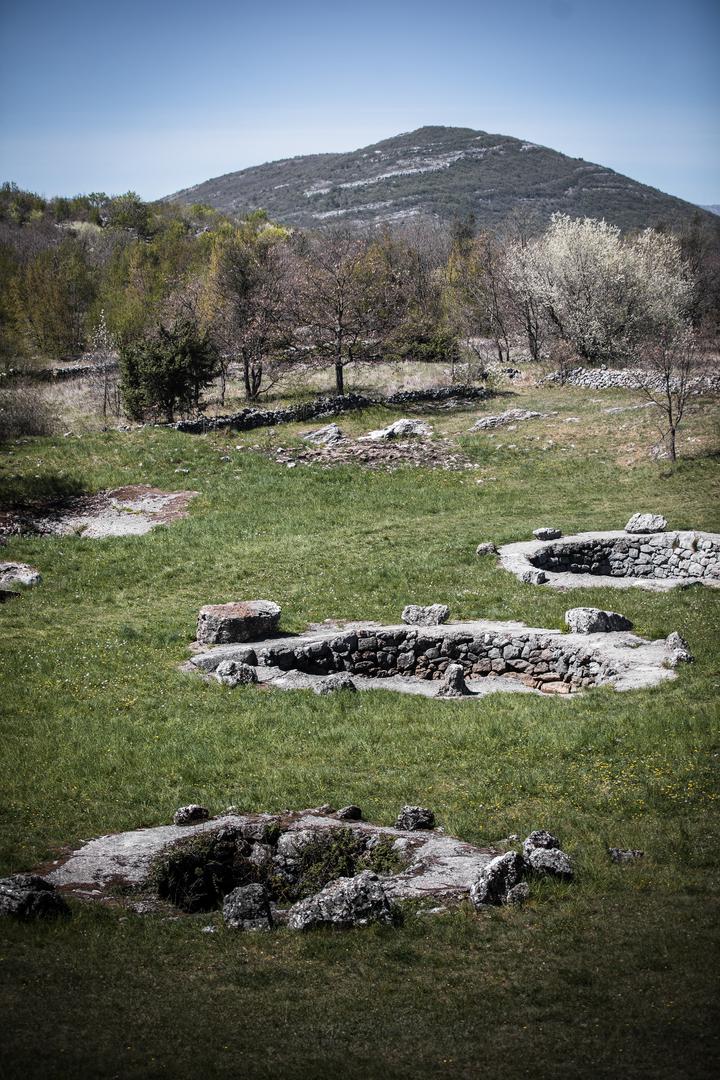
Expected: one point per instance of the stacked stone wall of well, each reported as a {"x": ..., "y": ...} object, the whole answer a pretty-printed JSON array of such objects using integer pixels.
[
  {"x": 667, "y": 555},
  {"x": 540, "y": 661}
]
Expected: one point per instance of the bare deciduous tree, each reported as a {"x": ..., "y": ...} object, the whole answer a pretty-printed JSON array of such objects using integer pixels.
[{"x": 666, "y": 377}]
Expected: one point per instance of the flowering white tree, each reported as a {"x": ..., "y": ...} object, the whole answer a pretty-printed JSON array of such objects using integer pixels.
[{"x": 603, "y": 293}]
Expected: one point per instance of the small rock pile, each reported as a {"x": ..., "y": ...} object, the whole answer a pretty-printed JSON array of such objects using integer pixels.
[
  {"x": 510, "y": 416},
  {"x": 501, "y": 880}
]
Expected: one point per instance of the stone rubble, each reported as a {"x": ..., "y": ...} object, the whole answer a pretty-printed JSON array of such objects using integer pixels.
[
  {"x": 680, "y": 648},
  {"x": 539, "y": 838},
  {"x": 550, "y": 862}
]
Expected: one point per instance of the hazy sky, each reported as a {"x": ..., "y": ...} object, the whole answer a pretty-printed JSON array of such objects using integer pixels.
[{"x": 155, "y": 96}]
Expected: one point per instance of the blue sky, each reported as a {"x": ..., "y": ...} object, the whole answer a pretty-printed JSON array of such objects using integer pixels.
[{"x": 156, "y": 96}]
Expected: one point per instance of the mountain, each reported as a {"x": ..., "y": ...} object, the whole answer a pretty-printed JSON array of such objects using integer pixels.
[
  {"x": 714, "y": 208},
  {"x": 441, "y": 172}
]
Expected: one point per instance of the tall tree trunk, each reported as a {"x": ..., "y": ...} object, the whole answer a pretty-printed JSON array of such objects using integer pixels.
[
  {"x": 673, "y": 450},
  {"x": 339, "y": 377}
]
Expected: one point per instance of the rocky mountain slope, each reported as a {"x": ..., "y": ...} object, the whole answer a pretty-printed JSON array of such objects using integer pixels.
[{"x": 441, "y": 172}]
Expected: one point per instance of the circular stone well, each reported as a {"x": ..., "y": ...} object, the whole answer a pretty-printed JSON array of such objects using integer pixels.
[{"x": 657, "y": 561}]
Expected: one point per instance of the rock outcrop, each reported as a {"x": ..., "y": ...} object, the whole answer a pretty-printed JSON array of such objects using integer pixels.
[{"x": 345, "y": 903}]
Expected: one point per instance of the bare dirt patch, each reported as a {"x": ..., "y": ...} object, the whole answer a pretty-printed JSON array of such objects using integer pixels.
[{"x": 132, "y": 510}]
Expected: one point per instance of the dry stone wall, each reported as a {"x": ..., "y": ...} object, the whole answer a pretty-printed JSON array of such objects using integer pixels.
[
  {"x": 548, "y": 662},
  {"x": 661, "y": 555}
]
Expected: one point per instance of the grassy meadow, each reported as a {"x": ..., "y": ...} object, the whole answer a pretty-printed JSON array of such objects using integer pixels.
[{"x": 614, "y": 975}]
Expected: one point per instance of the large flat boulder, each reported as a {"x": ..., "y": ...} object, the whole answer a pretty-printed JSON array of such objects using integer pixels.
[{"x": 242, "y": 620}]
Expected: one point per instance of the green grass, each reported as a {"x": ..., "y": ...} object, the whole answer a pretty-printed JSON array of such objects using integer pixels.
[{"x": 613, "y": 975}]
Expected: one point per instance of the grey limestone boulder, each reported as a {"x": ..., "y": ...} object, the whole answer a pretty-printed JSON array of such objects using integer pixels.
[
  {"x": 497, "y": 879},
  {"x": 412, "y": 818},
  {"x": 539, "y": 838},
  {"x": 347, "y": 902},
  {"x": 243, "y": 620},
  {"x": 547, "y": 534},
  {"x": 487, "y": 548},
  {"x": 431, "y": 615},
  {"x": 646, "y": 523},
  {"x": 589, "y": 620},
  {"x": 518, "y": 894},
  {"x": 27, "y": 896},
  {"x": 18, "y": 574},
  {"x": 625, "y": 855},
  {"x": 324, "y": 436},
  {"x": 680, "y": 648},
  {"x": 235, "y": 673},
  {"x": 340, "y": 680},
  {"x": 510, "y": 416},
  {"x": 534, "y": 577},
  {"x": 190, "y": 814},
  {"x": 400, "y": 429},
  {"x": 248, "y": 908},
  {"x": 453, "y": 683},
  {"x": 550, "y": 862}
]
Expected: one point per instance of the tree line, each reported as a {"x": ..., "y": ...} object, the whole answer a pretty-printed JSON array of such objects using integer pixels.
[{"x": 184, "y": 292}]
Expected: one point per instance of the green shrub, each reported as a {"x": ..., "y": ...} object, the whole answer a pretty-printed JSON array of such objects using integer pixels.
[{"x": 167, "y": 373}]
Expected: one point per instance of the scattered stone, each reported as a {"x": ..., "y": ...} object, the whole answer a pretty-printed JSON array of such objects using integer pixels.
[
  {"x": 534, "y": 577},
  {"x": 413, "y": 818},
  {"x": 589, "y": 620},
  {"x": 325, "y": 436},
  {"x": 18, "y": 574},
  {"x": 487, "y": 548},
  {"x": 518, "y": 894},
  {"x": 625, "y": 855},
  {"x": 680, "y": 648},
  {"x": 497, "y": 879},
  {"x": 550, "y": 862},
  {"x": 547, "y": 534},
  {"x": 350, "y": 813},
  {"x": 233, "y": 673},
  {"x": 510, "y": 416},
  {"x": 347, "y": 902},
  {"x": 646, "y": 523},
  {"x": 340, "y": 680},
  {"x": 539, "y": 838},
  {"x": 431, "y": 615},
  {"x": 416, "y": 615},
  {"x": 244, "y": 620},
  {"x": 248, "y": 908},
  {"x": 190, "y": 815},
  {"x": 400, "y": 429},
  {"x": 27, "y": 896},
  {"x": 453, "y": 683}
]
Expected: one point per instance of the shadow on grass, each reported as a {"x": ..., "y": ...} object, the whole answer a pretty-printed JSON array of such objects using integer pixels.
[{"x": 20, "y": 492}]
